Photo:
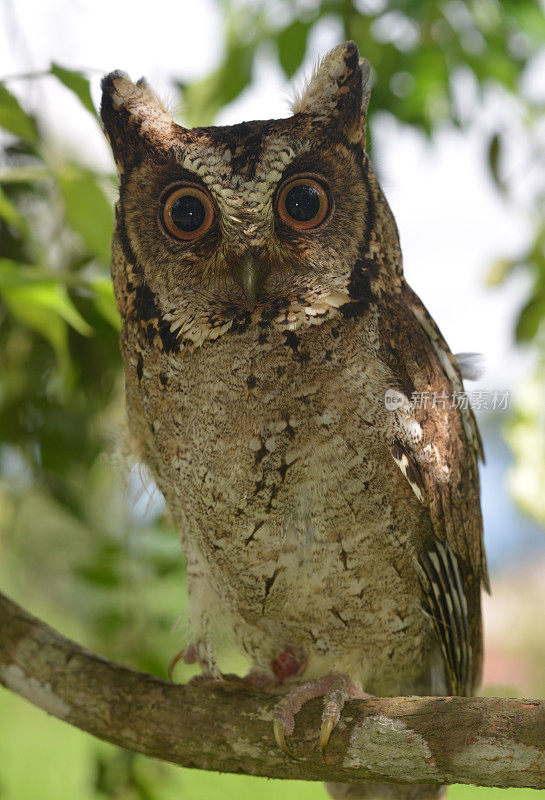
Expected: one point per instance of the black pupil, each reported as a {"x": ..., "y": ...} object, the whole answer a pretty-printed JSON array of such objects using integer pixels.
[
  {"x": 303, "y": 202},
  {"x": 188, "y": 213}
]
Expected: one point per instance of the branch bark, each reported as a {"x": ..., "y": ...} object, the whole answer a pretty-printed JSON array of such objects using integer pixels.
[{"x": 485, "y": 741}]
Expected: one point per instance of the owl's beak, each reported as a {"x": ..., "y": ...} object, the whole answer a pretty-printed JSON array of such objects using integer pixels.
[{"x": 250, "y": 273}]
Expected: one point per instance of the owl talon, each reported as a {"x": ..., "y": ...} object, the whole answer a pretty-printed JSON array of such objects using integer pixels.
[
  {"x": 335, "y": 688},
  {"x": 325, "y": 732},
  {"x": 174, "y": 660},
  {"x": 280, "y": 736}
]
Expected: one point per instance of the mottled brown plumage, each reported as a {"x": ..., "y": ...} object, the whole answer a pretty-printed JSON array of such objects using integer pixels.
[{"x": 327, "y": 533}]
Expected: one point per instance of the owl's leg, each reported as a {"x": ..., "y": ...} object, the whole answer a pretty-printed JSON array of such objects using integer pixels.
[
  {"x": 335, "y": 688},
  {"x": 197, "y": 652},
  {"x": 201, "y": 609}
]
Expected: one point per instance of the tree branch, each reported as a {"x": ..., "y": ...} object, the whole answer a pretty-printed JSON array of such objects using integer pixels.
[{"x": 486, "y": 741}]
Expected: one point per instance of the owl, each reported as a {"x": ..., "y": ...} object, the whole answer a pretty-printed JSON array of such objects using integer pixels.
[{"x": 296, "y": 403}]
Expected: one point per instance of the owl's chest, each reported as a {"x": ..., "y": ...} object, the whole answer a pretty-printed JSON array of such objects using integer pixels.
[
  {"x": 270, "y": 450},
  {"x": 260, "y": 424}
]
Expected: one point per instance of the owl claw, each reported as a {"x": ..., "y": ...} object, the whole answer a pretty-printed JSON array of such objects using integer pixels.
[
  {"x": 335, "y": 688},
  {"x": 280, "y": 736},
  {"x": 325, "y": 732},
  {"x": 174, "y": 660}
]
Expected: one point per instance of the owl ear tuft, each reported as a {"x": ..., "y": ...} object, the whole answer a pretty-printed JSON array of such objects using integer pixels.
[
  {"x": 338, "y": 90},
  {"x": 133, "y": 117}
]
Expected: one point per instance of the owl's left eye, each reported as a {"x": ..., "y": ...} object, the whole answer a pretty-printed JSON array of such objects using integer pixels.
[
  {"x": 187, "y": 212},
  {"x": 303, "y": 203}
]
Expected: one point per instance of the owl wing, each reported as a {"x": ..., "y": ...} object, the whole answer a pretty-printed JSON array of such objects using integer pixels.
[{"x": 436, "y": 444}]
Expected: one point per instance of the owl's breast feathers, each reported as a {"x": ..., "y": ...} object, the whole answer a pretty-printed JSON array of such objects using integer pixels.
[{"x": 268, "y": 420}]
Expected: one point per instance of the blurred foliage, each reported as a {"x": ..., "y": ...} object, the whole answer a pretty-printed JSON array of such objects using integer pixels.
[
  {"x": 77, "y": 544},
  {"x": 415, "y": 47},
  {"x": 525, "y": 433}
]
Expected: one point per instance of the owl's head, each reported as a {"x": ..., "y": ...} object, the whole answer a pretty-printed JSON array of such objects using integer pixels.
[{"x": 250, "y": 222}]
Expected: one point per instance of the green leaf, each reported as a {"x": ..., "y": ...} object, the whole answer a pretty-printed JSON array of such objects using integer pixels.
[
  {"x": 530, "y": 318},
  {"x": 292, "y": 45},
  {"x": 10, "y": 214},
  {"x": 87, "y": 209},
  {"x": 39, "y": 302},
  {"x": 494, "y": 150},
  {"x": 13, "y": 118},
  {"x": 75, "y": 80},
  {"x": 104, "y": 300},
  {"x": 30, "y": 307},
  {"x": 102, "y": 574},
  {"x": 531, "y": 19},
  {"x": 500, "y": 270},
  {"x": 24, "y": 174}
]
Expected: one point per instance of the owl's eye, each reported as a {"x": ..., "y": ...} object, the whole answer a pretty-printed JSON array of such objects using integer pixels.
[
  {"x": 303, "y": 203},
  {"x": 187, "y": 212}
]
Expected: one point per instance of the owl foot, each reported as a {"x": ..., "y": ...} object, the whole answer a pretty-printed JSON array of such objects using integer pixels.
[
  {"x": 335, "y": 688},
  {"x": 196, "y": 653}
]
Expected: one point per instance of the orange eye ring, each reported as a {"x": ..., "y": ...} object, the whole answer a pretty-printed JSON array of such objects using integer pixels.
[
  {"x": 303, "y": 203},
  {"x": 187, "y": 212}
]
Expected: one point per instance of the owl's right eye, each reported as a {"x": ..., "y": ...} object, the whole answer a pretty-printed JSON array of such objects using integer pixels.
[{"x": 187, "y": 212}]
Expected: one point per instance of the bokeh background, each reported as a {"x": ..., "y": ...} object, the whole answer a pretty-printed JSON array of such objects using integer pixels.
[{"x": 457, "y": 135}]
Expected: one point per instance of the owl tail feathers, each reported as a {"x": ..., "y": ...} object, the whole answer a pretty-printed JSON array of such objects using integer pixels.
[{"x": 384, "y": 791}]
